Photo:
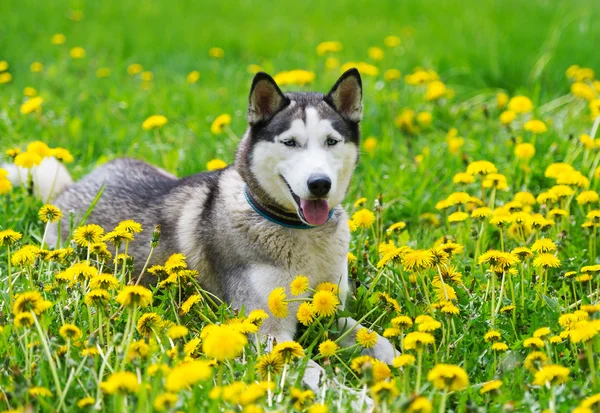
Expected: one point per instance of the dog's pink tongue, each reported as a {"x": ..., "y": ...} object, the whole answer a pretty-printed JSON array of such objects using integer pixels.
[{"x": 316, "y": 211}]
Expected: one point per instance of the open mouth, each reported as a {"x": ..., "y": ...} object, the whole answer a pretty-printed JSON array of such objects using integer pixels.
[{"x": 311, "y": 211}]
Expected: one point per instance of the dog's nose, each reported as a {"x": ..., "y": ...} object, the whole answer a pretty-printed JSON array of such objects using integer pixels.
[{"x": 319, "y": 185}]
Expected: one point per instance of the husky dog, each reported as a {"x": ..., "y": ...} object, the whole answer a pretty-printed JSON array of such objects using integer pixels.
[{"x": 259, "y": 223}]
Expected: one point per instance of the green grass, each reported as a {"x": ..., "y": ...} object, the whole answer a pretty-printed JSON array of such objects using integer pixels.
[{"x": 477, "y": 48}]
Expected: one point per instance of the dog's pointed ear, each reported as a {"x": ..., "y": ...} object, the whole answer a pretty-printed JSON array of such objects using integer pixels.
[
  {"x": 346, "y": 95},
  {"x": 265, "y": 99}
]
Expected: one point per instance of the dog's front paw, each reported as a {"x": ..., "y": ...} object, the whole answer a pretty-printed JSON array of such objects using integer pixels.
[
  {"x": 313, "y": 375},
  {"x": 383, "y": 350}
]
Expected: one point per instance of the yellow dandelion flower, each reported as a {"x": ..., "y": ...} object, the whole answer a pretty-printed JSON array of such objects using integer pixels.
[
  {"x": 222, "y": 342},
  {"x": 154, "y": 122},
  {"x": 31, "y": 105},
  {"x": 9, "y": 237},
  {"x": 507, "y": 117},
  {"x": 363, "y": 218},
  {"x": 77, "y": 52},
  {"x": 541, "y": 332},
  {"x": 458, "y": 217},
  {"x": 288, "y": 350},
  {"x": 165, "y": 401},
  {"x": 481, "y": 212},
  {"x": 215, "y": 164},
  {"x": 535, "y": 360},
  {"x": 435, "y": 90},
  {"x": 402, "y": 322},
  {"x": 148, "y": 323},
  {"x": 533, "y": 342},
  {"x": 492, "y": 336},
  {"x": 398, "y": 226},
  {"x": 193, "y": 77},
  {"x": 134, "y": 295},
  {"x": 30, "y": 301},
  {"x": 543, "y": 245},
  {"x": 62, "y": 155},
  {"x": 370, "y": 144},
  {"x": 328, "y": 348},
  {"x": 40, "y": 392},
  {"x": 325, "y": 303},
  {"x": 551, "y": 375},
  {"x": 417, "y": 340},
  {"x": 463, "y": 178},
  {"x": 134, "y": 69},
  {"x": 360, "y": 363},
  {"x": 392, "y": 41},
  {"x": 187, "y": 374},
  {"x": 70, "y": 332},
  {"x": 220, "y": 122},
  {"x": 535, "y": 126},
  {"x": 520, "y": 104},
  {"x": 366, "y": 338},
  {"x": 327, "y": 286},
  {"x": 269, "y": 364},
  {"x": 88, "y": 234},
  {"x": 27, "y": 160},
  {"x": 501, "y": 100},
  {"x": 176, "y": 332},
  {"x": 187, "y": 304},
  {"x": 448, "y": 377},
  {"x": 216, "y": 52},
  {"x": 277, "y": 303},
  {"x": 86, "y": 402},
  {"x": 587, "y": 197},
  {"x": 490, "y": 386},
  {"x": 481, "y": 168},
  {"x": 524, "y": 151},
  {"x": 392, "y": 74},
  {"x": 546, "y": 261},
  {"x": 328, "y": 47},
  {"x": 420, "y": 405},
  {"x": 418, "y": 260},
  {"x": 123, "y": 382},
  {"x": 404, "y": 360},
  {"x": 299, "y": 285}
]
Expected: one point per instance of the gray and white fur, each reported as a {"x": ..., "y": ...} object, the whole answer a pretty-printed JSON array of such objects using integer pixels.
[{"x": 297, "y": 155}]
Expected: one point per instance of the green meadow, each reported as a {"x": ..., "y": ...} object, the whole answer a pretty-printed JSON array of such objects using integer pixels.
[{"x": 474, "y": 209}]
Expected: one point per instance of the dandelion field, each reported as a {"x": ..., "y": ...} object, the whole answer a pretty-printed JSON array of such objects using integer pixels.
[{"x": 475, "y": 207}]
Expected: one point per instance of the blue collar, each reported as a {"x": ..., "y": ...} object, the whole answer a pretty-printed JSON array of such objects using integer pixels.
[{"x": 276, "y": 215}]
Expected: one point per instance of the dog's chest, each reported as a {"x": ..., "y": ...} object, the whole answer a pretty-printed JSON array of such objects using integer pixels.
[{"x": 318, "y": 254}]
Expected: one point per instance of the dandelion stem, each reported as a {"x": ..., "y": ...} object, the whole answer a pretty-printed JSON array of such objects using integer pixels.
[
  {"x": 419, "y": 368},
  {"x": 10, "y": 287},
  {"x": 590, "y": 356},
  {"x": 44, "y": 341},
  {"x": 493, "y": 299},
  {"x": 443, "y": 402},
  {"x": 145, "y": 266}
]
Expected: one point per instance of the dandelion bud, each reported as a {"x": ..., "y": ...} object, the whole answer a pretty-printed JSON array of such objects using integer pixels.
[
  {"x": 117, "y": 339},
  {"x": 92, "y": 340},
  {"x": 155, "y": 236}
]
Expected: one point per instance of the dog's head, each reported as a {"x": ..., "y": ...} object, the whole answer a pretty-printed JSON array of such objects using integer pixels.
[{"x": 300, "y": 149}]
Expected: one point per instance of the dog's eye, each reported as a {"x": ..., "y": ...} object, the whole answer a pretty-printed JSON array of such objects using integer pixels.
[
  {"x": 331, "y": 142},
  {"x": 289, "y": 142}
]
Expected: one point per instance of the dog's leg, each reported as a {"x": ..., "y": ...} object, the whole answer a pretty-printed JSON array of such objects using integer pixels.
[
  {"x": 49, "y": 178},
  {"x": 383, "y": 350}
]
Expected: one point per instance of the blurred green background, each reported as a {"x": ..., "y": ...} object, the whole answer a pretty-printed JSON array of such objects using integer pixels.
[{"x": 477, "y": 47}]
